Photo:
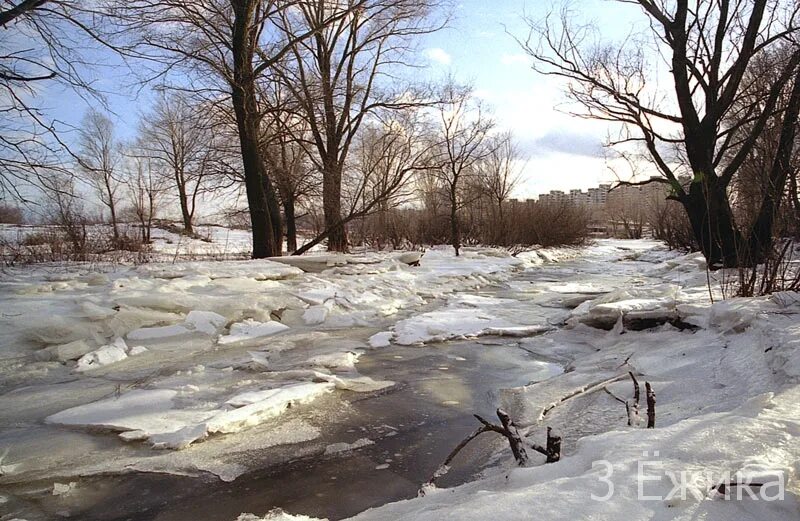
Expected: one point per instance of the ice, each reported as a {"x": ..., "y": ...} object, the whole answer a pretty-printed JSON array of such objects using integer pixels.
[
  {"x": 656, "y": 303},
  {"x": 437, "y": 326},
  {"x": 276, "y": 515},
  {"x": 137, "y": 410},
  {"x": 258, "y": 407},
  {"x": 345, "y": 361},
  {"x": 63, "y": 489},
  {"x": 336, "y": 448},
  {"x": 315, "y": 315},
  {"x": 206, "y": 322},
  {"x": 108, "y": 354},
  {"x": 158, "y": 333},
  {"x": 382, "y": 339},
  {"x": 251, "y": 330},
  {"x": 70, "y": 351},
  {"x": 358, "y": 384}
]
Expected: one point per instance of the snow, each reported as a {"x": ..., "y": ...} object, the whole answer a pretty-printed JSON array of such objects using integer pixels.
[
  {"x": 107, "y": 354},
  {"x": 247, "y": 354},
  {"x": 276, "y": 515},
  {"x": 251, "y": 330}
]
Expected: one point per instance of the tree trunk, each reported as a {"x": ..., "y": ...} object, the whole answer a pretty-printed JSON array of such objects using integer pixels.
[
  {"x": 185, "y": 214},
  {"x": 455, "y": 229},
  {"x": 710, "y": 215},
  {"x": 760, "y": 239},
  {"x": 332, "y": 207},
  {"x": 274, "y": 209},
  {"x": 291, "y": 224},
  {"x": 112, "y": 207},
  {"x": 245, "y": 107}
]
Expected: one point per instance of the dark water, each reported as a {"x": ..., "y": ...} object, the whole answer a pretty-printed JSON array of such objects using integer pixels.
[{"x": 414, "y": 427}]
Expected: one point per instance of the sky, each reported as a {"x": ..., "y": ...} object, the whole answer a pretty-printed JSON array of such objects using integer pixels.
[
  {"x": 563, "y": 151},
  {"x": 479, "y": 48}
]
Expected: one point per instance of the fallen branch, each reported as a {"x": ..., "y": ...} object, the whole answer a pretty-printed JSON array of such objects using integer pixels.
[
  {"x": 509, "y": 430},
  {"x": 651, "y": 406},
  {"x": 586, "y": 389},
  {"x": 632, "y": 405},
  {"x": 632, "y": 408},
  {"x": 552, "y": 451}
]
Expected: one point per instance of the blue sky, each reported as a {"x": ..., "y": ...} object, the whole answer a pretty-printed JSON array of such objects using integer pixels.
[
  {"x": 564, "y": 151},
  {"x": 479, "y": 47}
]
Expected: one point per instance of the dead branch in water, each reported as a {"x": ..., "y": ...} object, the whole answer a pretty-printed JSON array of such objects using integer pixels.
[
  {"x": 509, "y": 430},
  {"x": 632, "y": 405},
  {"x": 651, "y": 406}
]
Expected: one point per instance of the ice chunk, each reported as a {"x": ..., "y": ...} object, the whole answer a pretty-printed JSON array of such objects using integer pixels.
[
  {"x": 382, "y": 339},
  {"x": 63, "y": 489},
  {"x": 105, "y": 355},
  {"x": 181, "y": 438},
  {"x": 437, "y": 326},
  {"x": 145, "y": 410},
  {"x": 92, "y": 311},
  {"x": 206, "y": 322},
  {"x": 276, "y": 515},
  {"x": 156, "y": 333},
  {"x": 258, "y": 406},
  {"x": 345, "y": 361},
  {"x": 315, "y": 315},
  {"x": 70, "y": 351},
  {"x": 250, "y": 330}
]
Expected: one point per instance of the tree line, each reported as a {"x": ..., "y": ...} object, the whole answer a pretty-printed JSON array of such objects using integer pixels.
[{"x": 309, "y": 104}]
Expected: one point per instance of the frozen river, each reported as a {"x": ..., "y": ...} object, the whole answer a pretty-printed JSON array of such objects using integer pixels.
[{"x": 332, "y": 457}]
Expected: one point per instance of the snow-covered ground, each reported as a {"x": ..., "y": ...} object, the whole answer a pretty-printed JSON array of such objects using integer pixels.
[{"x": 185, "y": 367}]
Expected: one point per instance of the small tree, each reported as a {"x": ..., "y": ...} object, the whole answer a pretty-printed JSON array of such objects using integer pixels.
[
  {"x": 145, "y": 188},
  {"x": 176, "y": 140},
  {"x": 99, "y": 160},
  {"x": 461, "y": 143},
  {"x": 499, "y": 174}
]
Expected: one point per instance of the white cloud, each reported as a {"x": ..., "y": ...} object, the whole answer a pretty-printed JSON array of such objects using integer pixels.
[{"x": 438, "y": 55}]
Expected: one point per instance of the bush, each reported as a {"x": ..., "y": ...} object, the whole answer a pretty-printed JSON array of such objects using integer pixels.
[
  {"x": 10, "y": 214},
  {"x": 669, "y": 223},
  {"x": 548, "y": 224}
]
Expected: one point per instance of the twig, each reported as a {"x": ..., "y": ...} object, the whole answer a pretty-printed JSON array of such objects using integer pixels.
[{"x": 651, "y": 406}]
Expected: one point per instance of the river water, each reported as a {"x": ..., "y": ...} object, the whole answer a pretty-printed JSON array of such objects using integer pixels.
[{"x": 412, "y": 427}]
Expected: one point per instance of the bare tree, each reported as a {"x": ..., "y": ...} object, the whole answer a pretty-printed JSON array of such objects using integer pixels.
[
  {"x": 462, "y": 142},
  {"x": 99, "y": 160},
  {"x": 146, "y": 187},
  {"x": 691, "y": 129},
  {"x": 499, "y": 173},
  {"x": 284, "y": 139},
  {"x": 338, "y": 76},
  {"x": 176, "y": 139},
  {"x": 223, "y": 48},
  {"x": 388, "y": 152}
]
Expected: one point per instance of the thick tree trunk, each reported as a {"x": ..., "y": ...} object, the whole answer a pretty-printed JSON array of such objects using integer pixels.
[
  {"x": 291, "y": 225},
  {"x": 274, "y": 209},
  {"x": 710, "y": 215},
  {"x": 245, "y": 107},
  {"x": 185, "y": 214},
  {"x": 332, "y": 207}
]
